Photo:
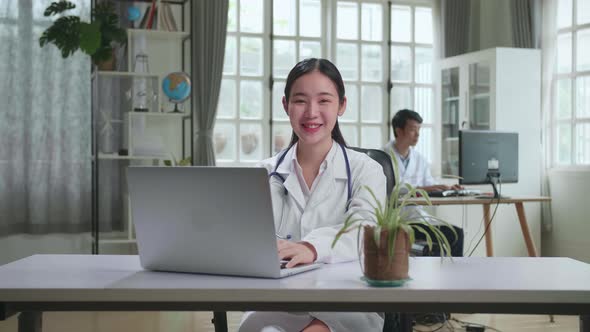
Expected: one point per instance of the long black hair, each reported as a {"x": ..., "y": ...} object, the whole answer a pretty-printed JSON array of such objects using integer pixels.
[{"x": 327, "y": 68}]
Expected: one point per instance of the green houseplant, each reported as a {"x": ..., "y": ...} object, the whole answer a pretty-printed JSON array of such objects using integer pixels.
[
  {"x": 388, "y": 236},
  {"x": 96, "y": 38}
]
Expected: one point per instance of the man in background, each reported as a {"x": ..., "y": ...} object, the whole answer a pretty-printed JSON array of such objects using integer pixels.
[{"x": 414, "y": 169}]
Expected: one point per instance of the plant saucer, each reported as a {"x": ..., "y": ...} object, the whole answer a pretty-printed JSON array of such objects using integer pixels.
[{"x": 384, "y": 283}]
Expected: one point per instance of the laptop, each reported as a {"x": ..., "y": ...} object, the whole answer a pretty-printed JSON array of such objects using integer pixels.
[{"x": 213, "y": 220}]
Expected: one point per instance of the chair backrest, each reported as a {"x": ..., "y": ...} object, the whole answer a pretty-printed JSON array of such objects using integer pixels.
[{"x": 385, "y": 161}]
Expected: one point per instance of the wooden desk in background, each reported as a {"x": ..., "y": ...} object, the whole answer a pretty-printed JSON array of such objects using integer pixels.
[{"x": 516, "y": 200}]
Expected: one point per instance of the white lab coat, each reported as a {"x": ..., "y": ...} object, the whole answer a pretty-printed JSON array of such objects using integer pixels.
[
  {"x": 317, "y": 222},
  {"x": 417, "y": 173}
]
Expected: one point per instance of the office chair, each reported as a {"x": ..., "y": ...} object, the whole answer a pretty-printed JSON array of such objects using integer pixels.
[
  {"x": 392, "y": 320},
  {"x": 385, "y": 161}
]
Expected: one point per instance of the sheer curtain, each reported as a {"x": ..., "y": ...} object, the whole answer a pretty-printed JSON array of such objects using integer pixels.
[
  {"x": 548, "y": 56},
  {"x": 44, "y": 126}
]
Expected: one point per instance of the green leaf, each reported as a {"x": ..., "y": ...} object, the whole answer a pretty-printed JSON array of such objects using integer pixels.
[
  {"x": 58, "y": 7},
  {"x": 89, "y": 37}
]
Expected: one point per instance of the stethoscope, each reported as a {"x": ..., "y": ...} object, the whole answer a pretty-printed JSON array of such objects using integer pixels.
[{"x": 282, "y": 178}]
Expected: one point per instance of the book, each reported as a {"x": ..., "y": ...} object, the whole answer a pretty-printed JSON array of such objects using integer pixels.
[
  {"x": 150, "y": 21},
  {"x": 144, "y": 19}
]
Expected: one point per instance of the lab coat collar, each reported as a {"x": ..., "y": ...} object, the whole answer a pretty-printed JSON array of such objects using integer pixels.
[
  {"x": 334, "y": 157},
  {"x": 335, "y": 169}
]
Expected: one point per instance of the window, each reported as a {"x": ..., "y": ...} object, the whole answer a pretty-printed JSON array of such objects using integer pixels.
[
  {"x": 240, "y": 134},
  {"x": 360, "y": 54},
  {"x": 571, "y": 85},
  {"x": 251, "y": 123},
  {"x": 411, "y": 64}
]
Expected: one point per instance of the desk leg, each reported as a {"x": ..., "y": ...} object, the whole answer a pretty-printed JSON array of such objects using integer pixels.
[
  {"x": 486, "y": 217},
  {"x": 585, "y": 323},
  {"x": 30, "y": 321},
  {"x": 220, "y": 321},
  {"x": 405, "y": 322},
  {"x": 530, "y": 245}
]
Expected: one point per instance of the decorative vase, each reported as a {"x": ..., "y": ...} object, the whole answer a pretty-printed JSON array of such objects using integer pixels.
[
  {"x": 107, "y": 65},
  {"x": 378, "y": 264}
]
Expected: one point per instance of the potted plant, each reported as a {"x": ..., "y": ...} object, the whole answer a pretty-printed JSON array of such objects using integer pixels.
[
  {"x": 97, "y": 38},
  {"x": 388, "y": 236}
]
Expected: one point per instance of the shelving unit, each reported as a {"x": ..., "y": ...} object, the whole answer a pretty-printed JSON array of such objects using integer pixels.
[{"x": 123, "y": 136}]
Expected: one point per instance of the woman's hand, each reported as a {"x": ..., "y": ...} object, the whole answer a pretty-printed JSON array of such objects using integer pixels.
[{"x": 296, "y": 252}]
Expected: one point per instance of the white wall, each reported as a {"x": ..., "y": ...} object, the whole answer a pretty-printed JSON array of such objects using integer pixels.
[
  {"x": 570, "y": 234},
  {"x": 15, "y": 247}
]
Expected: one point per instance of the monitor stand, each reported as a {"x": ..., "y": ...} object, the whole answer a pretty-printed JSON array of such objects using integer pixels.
[{"x": 493, "y": 179}]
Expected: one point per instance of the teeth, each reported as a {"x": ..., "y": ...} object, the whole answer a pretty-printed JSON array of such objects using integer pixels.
[{"x": 312, "y": 126}]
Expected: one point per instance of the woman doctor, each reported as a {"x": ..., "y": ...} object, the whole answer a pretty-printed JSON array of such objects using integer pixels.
[{"x": 315, "y": 184}]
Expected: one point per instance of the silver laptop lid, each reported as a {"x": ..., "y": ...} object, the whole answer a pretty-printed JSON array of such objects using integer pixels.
[{"x": 204, "y": 219}]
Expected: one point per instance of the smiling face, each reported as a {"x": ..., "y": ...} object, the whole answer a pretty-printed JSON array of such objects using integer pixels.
[{"x": 313, "y": 108}]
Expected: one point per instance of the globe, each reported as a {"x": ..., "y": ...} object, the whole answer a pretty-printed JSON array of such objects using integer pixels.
[{"x": 177, "y": 87}]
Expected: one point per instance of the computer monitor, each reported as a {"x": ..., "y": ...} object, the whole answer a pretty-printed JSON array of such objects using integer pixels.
[{"x": 488, "y": 157}]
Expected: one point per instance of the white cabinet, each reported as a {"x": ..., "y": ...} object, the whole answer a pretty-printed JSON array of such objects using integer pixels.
[
  {"x": 495, "y": 89},
  {"x": 132, "y": 123}
]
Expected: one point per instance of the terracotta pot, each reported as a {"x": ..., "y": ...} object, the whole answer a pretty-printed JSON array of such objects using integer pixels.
[{"x": 378, "y": 264}]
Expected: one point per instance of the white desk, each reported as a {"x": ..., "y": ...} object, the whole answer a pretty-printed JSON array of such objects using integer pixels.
[{"x": 476, "y": 284}]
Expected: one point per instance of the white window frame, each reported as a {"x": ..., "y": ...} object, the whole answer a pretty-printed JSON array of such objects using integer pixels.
[
  {"x": 413, "y": 84},
  {"x": 329, "y": 40},
  {"x": 572, "y": 76},
  {"x": 237, "y": 78}
]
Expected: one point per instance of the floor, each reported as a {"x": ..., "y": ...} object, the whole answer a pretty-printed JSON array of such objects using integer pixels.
[{"x": 201, "y": 322}]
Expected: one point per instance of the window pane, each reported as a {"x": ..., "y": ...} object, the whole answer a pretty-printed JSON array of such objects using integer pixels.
[
  {"x": 278, "y": 91},
  {"x": 251, "y": 100},
  {"x": 372, "y": 22},
  {"x": 564, "y": 99},
  {"x": 564, "y": 13},
  {"x": 9, "y": 9},
  {"x": 347, "y": 16},
  {"x": 371, "y": 63},
  {"x": 423, "y": 70},
  {"x": 583, "y": 143},
  {"x": 372, "y": 104},
  {"x": 401, "y": 23},
  {"x": 251, "y": 56},
  {"x": 371, "y": 137},
  {"x": 564, "y": 144},
  {"x": 350, "y": 134},
  {"x": 225, "y": 141},
  {"x": 400, "y": 98},
  {"x": 250, "y": 142},
  {"x": 310, "y": 18},
  {"x": 352, "y": 105},
  {"x": 281, "y": 136},
  {"x": 401, "y": 64},
  {"x": 424, "y": 145},
  {"x": 309, "y": 49},
  {"x": 583, "y": 97},
  {"x": 229, "y": 62},
  {"x": 283, "y": 57},
  {"x": 583, "y": 9},
  {"x": 564, "y": 53},
  {"x": 423, "y": 25},
  {"x": 283, "y": 17},
  {"x": 251, "y": 12},
  {"x": 347, "y": 60},
  {"x": 583, "y": 50},
  {"x": 232, "y": 17},
  {"x": 423, "y": 103},
  {"x": 226, "y": 107}
]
